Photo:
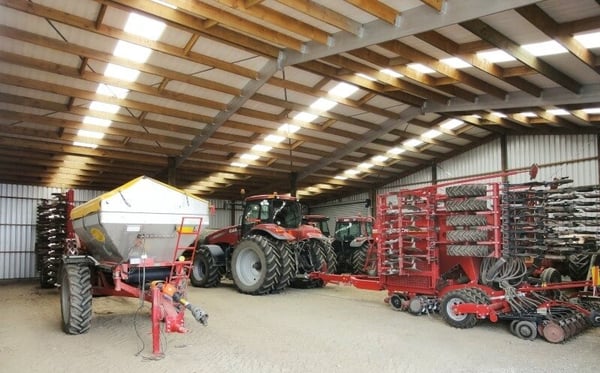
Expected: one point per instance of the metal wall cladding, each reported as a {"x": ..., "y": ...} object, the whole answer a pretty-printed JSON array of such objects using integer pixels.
[
  {"x": 416, "y": 180},
  {"x": 483, "y": 159},
  {"x": 18, "y": 205},
  {"x": 571, "y": 156}
]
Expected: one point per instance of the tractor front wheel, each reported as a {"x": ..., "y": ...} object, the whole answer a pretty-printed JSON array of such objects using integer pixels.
[
  {"x": 76, "y": 299},
  {"x": 255, "y": 265}
]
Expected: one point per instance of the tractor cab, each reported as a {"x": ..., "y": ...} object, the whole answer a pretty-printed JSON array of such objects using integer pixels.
[
  {"x": 284, "y": 211},
  {"x": 318, "y": 221}
]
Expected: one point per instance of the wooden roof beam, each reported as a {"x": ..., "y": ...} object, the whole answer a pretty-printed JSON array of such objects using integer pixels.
[
  {"x": 494, "y": 37},
  {"x": 378, "y": 9},
  {"x": 441, "y": 42},
  {"x": 324, "y": 14},
  {"x": 552, "y": 29},
  {"x": 417, "y": 56},
  {"x": 266, "y": 14}
]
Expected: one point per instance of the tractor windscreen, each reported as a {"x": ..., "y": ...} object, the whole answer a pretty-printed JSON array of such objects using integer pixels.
[{"x": 286, "y": 213}]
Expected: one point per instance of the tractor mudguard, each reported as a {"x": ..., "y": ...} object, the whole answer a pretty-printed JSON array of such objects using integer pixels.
[
  {"x": 272, "y": 230},
  {"x": 358, "y": 241},
  {"x": 217, "y": 252}
]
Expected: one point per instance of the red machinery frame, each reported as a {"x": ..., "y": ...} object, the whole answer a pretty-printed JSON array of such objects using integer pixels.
[
  {"x": 167, "y": 295},
  {"x": 416, "y": 270}
]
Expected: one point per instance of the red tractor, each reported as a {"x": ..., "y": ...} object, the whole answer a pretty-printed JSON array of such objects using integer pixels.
[
  {"x": 319, "y": 221},
  {"x": 270, "y": 250},
  {"x": 353, "y": 245}
]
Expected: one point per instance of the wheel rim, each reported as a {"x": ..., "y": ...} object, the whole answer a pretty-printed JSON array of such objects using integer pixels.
[
  {"x": 248, "y": 267},
  {"x": 450, "y": 310},
  {"x": 526, "y": 330},
  {"x": 396, "y": 302}
]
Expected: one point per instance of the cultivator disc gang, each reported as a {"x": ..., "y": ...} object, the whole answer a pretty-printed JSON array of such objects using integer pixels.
[{"x": 51, "y": 234}]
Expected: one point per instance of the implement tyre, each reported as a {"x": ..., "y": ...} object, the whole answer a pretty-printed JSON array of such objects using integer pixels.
[
  {"x": 205, "y": 272},
  {"x": 76, "y": 299}
]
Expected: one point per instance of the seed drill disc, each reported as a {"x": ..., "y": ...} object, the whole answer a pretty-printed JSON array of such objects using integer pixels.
[{"x": 554, "y": 333}]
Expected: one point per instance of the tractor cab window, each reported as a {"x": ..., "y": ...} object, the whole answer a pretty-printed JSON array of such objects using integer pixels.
[
  {"x": 347, "y": 231},
  {"x": 286, "y": 213}
]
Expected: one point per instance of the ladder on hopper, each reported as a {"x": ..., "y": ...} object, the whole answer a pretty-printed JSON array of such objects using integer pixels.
[{"x": 181, "y": 268}]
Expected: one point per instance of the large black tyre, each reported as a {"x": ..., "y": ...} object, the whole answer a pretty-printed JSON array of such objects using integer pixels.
[
  {"x": 358, "y": 258},
  {"x": 461, "y": 321},
  {"x": 469, "y": 204},
  {"x": 287, "y": 265},
  {"x": 255, "y": 265},
  {"x": 471, "y": 235},
  {"x": 205, "y": 272},
  {"x": 327, "y": 254},
  {"x": 76, "y": 299},
  {"x": 466, "y": 220},
  {"x": 467, "y": 190},
  {"x": 579, "y": 266},
  {"x": 468, "y": 250}
]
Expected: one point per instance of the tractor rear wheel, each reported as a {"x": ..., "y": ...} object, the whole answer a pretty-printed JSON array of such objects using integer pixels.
[
  {"x": 76, "y": 299},
  {"x": 359, "y": 257},
  {"x": 255, "y": 265},
  {"x": 287, "y": 265},
  {"x": 205, "y": 272},
  {"x": 327, "y": 255}
]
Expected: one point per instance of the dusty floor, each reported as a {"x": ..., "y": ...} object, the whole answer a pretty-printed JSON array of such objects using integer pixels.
[{"x": 333, "y": 329}]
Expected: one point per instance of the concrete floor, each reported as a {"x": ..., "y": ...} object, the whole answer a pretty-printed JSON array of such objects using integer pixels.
[{"x": 333, "y": 329}]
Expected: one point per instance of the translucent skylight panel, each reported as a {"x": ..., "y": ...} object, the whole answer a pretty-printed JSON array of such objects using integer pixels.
[
  {"x": 365, "y": 76},
  {"x": 451, "y": 124},
  {"x": 289, "y": 128},
  {"x": 589, "y": 40},
  {"x": 412, "y": 142},
  {"x": 274, "y": 138},
  {"x": 557, "y": 112},
  {"x": 85, "y": 144},
  {"x": 121, "y": 72},
  {"x": 96, "y": 121},
  {"x": 239, "y": 164},
  {"x": 133, "y": 52},
  {"x": 379, "y": 158},
  {"x": 546, "y": 48},
  {"x": 455, "y": 62},
  {"x": 261, "y": 148},
  {"x": 249, "y": 157},
  {"x": 396, "y": 151},
  {"x": 101, "y": 106},
  {"x": 305, "y": 117},
  {"x": 323, "y": 104},
  {"x": 91, "y": 134},
  {"x": 431, "y": 134},
  {"x": 112, "y": 91},
  {"x": 343, "y": 90},
  {"x": 391, "y": 73},
  {"x": 420, "y": 68},
  {"x": 144, "y": 26}
]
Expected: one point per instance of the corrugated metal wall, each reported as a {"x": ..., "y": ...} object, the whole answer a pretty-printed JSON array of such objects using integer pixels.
[
  {"x": 418, "y": 179},
  {"x": 18, "y": 207},
  {"x": 483, "y": 159},
  {"x": 572, "y": 156}
]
